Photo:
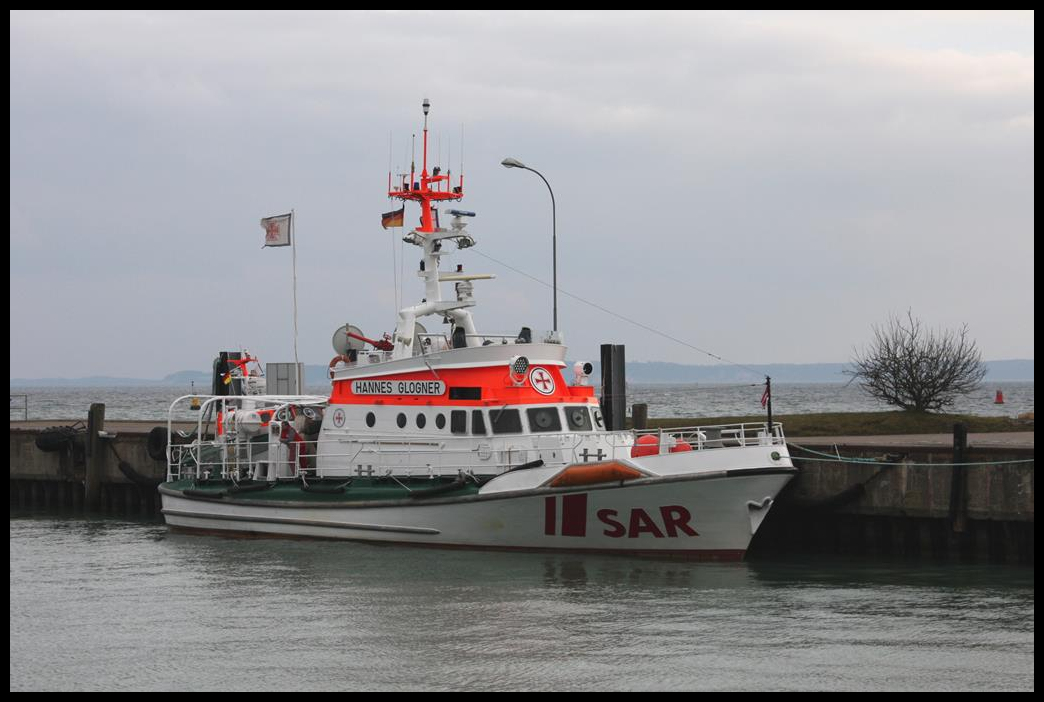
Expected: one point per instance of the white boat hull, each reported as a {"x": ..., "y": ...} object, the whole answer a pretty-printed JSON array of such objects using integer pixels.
[{"x": 711, "y": 516}]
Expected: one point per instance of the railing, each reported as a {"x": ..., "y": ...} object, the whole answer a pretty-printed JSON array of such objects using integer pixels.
[
  {"x": 433, "y": 343},
  {"x": 718, "y": 436},
  {"x": 260, "y": 455},
  {"x": 228, "y": 445},
  {"x": 243, "y": 460},
  {"x": 24, "y": 404}
]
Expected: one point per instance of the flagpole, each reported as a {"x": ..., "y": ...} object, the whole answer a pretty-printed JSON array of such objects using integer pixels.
[
  {"x": 293, "y": 248},
  {"x": 768, "y": 393}
]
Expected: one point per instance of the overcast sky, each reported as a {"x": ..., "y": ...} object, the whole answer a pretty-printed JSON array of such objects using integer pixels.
[{"x": 761, "y": 186}]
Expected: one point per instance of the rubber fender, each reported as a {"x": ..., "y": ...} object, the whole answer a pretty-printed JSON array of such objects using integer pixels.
[
  {"x": 326, "y": 489},
  {"x": 250, "y": 487},
  {"x": 156, "y": 446},
  {"x": 55, "y": 438},
  {"x": 210, "y": 494},
  {"x": 448, "y": 487}
]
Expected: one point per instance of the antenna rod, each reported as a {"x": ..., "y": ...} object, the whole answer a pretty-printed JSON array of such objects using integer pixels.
[{"x": 424, "y": 172}]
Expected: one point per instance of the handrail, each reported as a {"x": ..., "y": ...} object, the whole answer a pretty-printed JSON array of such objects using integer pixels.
[
  {"x": 719, "y": 435},
  {"x": 387, "y": 456},
  {"x": 230, "y": 452},
  {"x": 278, "y": 401}
]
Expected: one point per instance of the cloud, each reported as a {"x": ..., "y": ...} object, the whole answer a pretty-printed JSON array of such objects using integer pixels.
[{"x": 727, "y": 177}]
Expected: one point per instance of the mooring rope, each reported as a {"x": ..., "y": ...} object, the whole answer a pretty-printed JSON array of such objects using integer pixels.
[{"x": 828, "y": 458}]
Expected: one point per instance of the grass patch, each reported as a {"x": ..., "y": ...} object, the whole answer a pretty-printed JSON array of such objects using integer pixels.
[{"x": 862, "y": 423}]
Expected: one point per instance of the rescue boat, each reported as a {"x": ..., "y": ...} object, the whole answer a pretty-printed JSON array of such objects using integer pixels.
[{"x": 462, "y": 439}]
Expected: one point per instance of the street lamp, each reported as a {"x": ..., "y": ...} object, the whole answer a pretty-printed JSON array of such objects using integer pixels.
[{"x": 515, "y": 163}]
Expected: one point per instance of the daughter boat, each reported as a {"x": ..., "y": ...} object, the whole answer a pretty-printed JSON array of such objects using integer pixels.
[{"x": 465, "y": 439}]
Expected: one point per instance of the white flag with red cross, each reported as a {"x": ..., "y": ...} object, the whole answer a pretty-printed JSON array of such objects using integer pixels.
[{"x": 277, "y": 230}]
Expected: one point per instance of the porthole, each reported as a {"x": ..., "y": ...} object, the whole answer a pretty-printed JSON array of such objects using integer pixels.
[
  {"x": 421, "y": 421},
  {"x": 371, "y": 419},
  {"x": 401, "y": 420},
  {"x": 440, "y": 421}
]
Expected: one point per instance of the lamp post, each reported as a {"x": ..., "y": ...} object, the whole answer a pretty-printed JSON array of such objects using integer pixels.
[{"x": 515, "y": 163}]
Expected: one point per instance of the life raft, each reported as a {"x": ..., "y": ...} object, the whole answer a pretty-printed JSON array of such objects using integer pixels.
[{"x": 593, "y": 473}]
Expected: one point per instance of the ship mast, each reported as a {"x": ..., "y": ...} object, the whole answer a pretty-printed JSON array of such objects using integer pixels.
[
  {"x": 431, "y": 188},
  {"x": 422, "y": 191}
]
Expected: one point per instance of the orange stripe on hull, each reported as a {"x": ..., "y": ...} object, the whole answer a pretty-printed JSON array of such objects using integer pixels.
[{"x": 592, "y": 473}]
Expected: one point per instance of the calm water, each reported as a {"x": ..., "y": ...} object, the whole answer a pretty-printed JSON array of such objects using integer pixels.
[
  {"x": 663, "y": 400},
  {"x": 102, "y": 603},
  {"x": 99, "y": 604}
]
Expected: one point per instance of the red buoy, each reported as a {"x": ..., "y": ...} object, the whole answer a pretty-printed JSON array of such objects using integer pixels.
[
  {"x": 1000, "y": 398},
  {"x": 647, "y": 445}
]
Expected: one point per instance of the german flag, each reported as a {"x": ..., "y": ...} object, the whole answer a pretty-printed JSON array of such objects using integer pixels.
[{"x": 393, "y": 218}]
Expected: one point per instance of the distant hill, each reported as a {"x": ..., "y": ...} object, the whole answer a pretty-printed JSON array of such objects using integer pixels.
[
  {"x": 637, "y": 372},
  {"x": 660, "y": 372},
  {"x": 1016, "y": 369}
]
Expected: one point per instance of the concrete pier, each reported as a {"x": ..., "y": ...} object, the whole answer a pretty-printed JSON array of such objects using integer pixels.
[
  {"x": 906, "y": 498},
  {"x": 70, "y": 478}
]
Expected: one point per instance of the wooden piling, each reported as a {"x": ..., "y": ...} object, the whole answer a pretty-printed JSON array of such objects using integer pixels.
[
  {"x": 614, "y": 387},
  {"x": 96, "y": 456},
  {"x": 640, "y": 415},
  {"x": 959, "y": 479}
]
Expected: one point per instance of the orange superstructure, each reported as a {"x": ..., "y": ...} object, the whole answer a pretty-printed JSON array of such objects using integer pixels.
[{"x": 480, "y": 387}]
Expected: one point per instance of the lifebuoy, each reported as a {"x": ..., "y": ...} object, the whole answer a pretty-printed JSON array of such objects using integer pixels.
[{"x": 340, "y": 358}]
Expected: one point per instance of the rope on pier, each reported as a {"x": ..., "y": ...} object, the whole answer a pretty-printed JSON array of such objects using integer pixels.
[
  {"x": 128, "y": 470},
  {"x": 829, "y": 458}
]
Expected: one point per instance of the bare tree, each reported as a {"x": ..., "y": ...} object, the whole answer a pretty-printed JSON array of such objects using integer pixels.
[{"x": 917, "y": 369}]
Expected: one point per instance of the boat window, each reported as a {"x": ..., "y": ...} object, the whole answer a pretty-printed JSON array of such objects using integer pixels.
[
  {"x": 506, "y": 421},
  {"x": 401, "y": 420},
  {"x": 440, "y": 421},
  {"x": 370, "y": 419},
  {"x": 597, "y": 414},
  {"x": 465, "y": 393},
  {"x": 478, "y": 423},
  {"x": 578, "y": 418},
  {"x": 421, "y": 421},
  {"x": 459, "y": 422},
  {"x": 544, "y": 419}
]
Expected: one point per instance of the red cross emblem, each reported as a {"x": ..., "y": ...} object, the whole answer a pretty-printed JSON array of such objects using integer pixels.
[
  {"x": 542, "y": 381},
  {"x": 271, "y": 232}
]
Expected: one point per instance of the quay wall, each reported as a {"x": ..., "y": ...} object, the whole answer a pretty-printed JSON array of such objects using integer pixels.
[
  {"x": 57, "y": 479},
  {"x": 905, "y": 502}
]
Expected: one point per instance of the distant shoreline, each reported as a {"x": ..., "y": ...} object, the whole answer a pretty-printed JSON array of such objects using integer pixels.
[{"x": 639, "y": 373}]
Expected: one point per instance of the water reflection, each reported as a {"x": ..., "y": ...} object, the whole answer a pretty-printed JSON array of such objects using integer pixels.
[{"x": 127, "y": 604}]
